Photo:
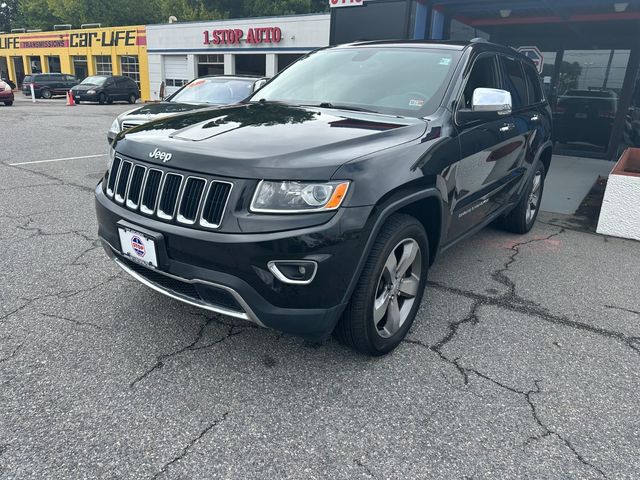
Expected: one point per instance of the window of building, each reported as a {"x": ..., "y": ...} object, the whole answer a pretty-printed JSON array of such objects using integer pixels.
[
  {"x": 210, "y": 65},
  {"x": 80, "y": 67},
  {"x": 251, "y": 65},
  {"x": 516, "y": 82},
  {"x": 175, "y": 82},
  {"x": 286, "y": 59},
  {"x": 54, "y": 64},
  {"x": 103, "y": 65},
  {"x": 130, "y": 67},
  {"x": 36, "y": 65},
  {"x": 464, "y": 32}
]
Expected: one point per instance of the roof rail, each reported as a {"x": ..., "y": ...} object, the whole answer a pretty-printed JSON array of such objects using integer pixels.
[
  {"x": 18, "y": 30},
  {"x": 63, "y": 26},
  {"x": 30, "y": 30},
  {"x": 91, "y": 25},
  {"x": 479, "y": 40}
]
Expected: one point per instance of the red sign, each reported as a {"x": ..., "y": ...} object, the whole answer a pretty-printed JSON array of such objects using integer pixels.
[
  {"x": 236, "y": 36},
  {"x": 346, "y": 3}
]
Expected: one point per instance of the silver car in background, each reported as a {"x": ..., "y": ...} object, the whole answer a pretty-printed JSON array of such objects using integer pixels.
[{"x": 200, "y": 93}]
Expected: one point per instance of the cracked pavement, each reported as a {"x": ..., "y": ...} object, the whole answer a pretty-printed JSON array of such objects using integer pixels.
[{"x": 523, "y": 361}]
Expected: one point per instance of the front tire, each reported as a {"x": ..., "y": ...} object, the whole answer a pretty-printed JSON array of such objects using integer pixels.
[
  {"x": 390, "y": 289},
  {"x": 8, "y": 104},
  {"x": 522, "y": 218},
  {"x": 132, "y": 99},
  {"x": 102, "y": 99},
  {"x": 46, "y": 94}
]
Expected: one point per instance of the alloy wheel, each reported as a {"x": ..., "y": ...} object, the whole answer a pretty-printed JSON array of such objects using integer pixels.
[
  {"x": 534, "y": 197},
  {"x": 397, "y": 288}
]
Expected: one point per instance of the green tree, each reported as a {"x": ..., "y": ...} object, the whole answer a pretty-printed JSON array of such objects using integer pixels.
[{"x": 45, "y": 13}]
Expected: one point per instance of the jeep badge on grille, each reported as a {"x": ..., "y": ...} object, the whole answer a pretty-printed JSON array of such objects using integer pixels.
[{"x": 160, "y": 155}]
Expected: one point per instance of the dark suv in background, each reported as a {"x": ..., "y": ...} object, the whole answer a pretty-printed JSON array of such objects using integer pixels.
[
  {"x": 318, "y": 204},
  {"x": 106, "y": 89},
  {"x": 48, "y": 85}
]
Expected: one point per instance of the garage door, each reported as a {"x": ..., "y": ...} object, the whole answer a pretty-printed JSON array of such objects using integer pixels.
[{"x": 175, "y": 73}]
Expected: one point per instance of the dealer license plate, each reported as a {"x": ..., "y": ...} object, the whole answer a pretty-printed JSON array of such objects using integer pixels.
[{"x": 138, "y": 247}]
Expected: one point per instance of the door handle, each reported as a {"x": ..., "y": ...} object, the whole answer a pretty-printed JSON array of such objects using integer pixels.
[
  {"x": 535, "y": 118},
  {"x": 507, "y": 127}
]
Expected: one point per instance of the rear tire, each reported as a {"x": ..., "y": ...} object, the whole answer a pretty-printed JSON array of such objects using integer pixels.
[
  {"x": 391, "y": 286},
  {"x": 132, "y": 99},
  {"x": 522, "y": 218},
  {"x": 102, "y": 99},
  {"x": 46, "y": 94}
]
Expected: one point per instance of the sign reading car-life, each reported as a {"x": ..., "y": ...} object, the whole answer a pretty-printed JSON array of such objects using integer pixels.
[
  {"x": 346, "y": 3},
  {"x": 160, "y": 155}
]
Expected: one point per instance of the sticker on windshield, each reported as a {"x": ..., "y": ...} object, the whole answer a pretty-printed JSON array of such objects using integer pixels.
[
  {"x": 445, "y": 61},
  {"x": 416, "y": 103}
]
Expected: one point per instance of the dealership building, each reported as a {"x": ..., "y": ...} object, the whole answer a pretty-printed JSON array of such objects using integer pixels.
[
  {"x": 84, "y": 52},
  {"x": 179, "y": 52}
]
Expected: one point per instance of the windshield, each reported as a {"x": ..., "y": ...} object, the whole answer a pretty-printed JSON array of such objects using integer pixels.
[
  {"x": 94, "y": 80},
  {"x": 404, "y": 81},
  {"x": 221, "y": 91}
]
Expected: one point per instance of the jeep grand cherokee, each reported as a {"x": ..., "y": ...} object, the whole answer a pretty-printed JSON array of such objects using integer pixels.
[{"x": 319, "y": 203}]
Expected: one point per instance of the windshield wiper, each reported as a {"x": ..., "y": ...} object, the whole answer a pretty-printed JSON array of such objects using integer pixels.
[{"x": 341, "y": 107}]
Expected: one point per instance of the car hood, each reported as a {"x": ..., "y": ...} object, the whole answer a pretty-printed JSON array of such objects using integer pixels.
[
  {"x": 152, "y": 111},
  {"x": 85, "y": 88},
  {"x": 267, "y": 140}
]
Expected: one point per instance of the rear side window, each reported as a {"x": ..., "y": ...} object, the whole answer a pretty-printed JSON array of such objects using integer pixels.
[
  {"x": 40, "y": 78},
  {"x": 533, "y": 85},
  {"x": 516, "y": 82}
]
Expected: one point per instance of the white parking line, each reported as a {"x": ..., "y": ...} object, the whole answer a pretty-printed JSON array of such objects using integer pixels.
[{"x": 58, "y": 159}]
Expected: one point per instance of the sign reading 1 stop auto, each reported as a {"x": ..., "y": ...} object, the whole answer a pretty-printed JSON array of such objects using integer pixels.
[{"x": 346, "y": 3}]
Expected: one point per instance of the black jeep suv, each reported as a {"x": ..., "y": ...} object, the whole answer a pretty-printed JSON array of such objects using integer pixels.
[{"x": 319, "y": 203}]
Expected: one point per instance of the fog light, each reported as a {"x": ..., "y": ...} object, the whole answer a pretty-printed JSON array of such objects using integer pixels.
[{"x": 294, "y": 272}]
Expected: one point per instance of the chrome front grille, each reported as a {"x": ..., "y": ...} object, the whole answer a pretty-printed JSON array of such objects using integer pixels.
[{"x": 167, "y": 195}]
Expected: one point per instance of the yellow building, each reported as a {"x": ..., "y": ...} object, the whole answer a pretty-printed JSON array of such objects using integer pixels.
[{"x": 97, "y": 51}]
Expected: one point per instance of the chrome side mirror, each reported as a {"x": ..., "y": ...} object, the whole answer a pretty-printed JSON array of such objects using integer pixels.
[
  {"x": 259, "y": 84},
  {"x": 492, "y": 100}
]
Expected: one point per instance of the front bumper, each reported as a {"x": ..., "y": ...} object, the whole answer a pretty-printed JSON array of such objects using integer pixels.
[
  {"x": 228, "y": 273},
  {"x": 6, "y": 97},
  {"x": 84, "y": 97}
]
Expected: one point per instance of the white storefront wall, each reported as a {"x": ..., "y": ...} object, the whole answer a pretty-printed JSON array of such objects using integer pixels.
[{"x": 169, "y": 44}]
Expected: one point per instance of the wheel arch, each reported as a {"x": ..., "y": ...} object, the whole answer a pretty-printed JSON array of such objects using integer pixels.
[
  {"x": 545, "y": 156},
  {"x": 425, "y": 205}
]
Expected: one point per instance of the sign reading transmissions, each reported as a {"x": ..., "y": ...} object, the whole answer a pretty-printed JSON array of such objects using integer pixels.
[
  {"x": 101, "y": 38},
  {"x": 346, "y": 3}
]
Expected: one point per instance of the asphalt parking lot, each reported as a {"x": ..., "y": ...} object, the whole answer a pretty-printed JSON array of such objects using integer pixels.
[{"x": 523, "y": 361}]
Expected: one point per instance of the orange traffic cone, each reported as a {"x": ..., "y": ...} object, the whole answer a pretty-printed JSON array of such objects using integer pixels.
[{"x": 70, "y": 101}]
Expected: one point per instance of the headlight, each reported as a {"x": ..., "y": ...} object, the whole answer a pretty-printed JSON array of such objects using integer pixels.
[
  {"x": 112, "y": 154},
  {"x": 7, "y": 88},
  {"x": 115, "y": 126},
  {"x": 91, "y": 92},
  {"x": 298, "y": 197}
]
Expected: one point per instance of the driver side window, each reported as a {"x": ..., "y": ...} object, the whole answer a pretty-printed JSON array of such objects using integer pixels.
[{"x": 484, "y": 74}]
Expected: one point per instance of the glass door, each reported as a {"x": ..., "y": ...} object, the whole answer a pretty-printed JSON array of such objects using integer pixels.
[{"x": 588, "y": 88}]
